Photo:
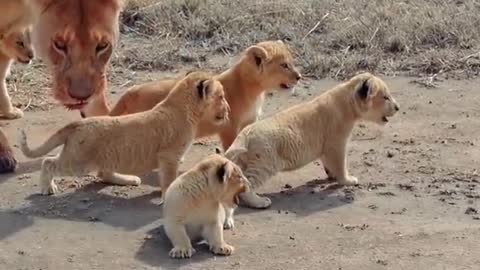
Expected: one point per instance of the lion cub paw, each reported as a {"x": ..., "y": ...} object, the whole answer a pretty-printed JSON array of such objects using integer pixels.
[
  {"x": 349, "y": 181},
  {"x": 15, "y": 113},
  {"x": 181, "y": 253},
  {"x": 224, "y": 249},
  {"x": 50, "y": 189},
  {"x": 229, "y": 223}
]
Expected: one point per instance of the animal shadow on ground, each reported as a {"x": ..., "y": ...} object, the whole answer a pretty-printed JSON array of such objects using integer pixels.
[
  {"x": 316, "y": 195},
  {"x": 85, "y": 204}
]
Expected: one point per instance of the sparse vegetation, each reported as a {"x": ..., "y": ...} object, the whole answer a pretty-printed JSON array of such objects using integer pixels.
[{"x": 331, "y": 38}]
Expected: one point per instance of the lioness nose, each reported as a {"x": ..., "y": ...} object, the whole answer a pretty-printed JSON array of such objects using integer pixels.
[
  {"x": 299, "y": 76},
  {"x": 80, "y": 89},
  {"x": 396, "y": 107},
  {"x": 30, "y": 55}
]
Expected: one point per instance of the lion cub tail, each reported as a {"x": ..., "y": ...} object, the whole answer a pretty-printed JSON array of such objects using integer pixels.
[{"x": 53, "y": 142}]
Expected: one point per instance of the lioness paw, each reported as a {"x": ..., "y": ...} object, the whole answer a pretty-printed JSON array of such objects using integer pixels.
[
  {"x": 181, "y": 253},
  {"x": 254, "y": 201},
  {"x": 50, "y": 189},
  {"x": 349, "y": 181},
  {"x": 8, "y": 163},
  {"x": 15, "y": 113},
  {"x": 224, "y": 249}
]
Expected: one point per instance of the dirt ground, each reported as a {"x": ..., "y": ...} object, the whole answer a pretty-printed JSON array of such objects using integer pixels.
[{"x": 416, "y": 207}]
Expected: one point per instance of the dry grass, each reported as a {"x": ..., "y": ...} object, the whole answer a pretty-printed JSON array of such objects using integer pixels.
[{"x": 331, "y": 38}]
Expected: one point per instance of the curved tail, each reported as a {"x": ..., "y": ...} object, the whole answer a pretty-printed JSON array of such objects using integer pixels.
[{"x": 51, "y": 143}]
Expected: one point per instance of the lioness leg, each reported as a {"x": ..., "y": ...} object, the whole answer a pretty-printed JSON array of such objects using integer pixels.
[
  {"x": 214, "y": 235},
  {"x": 7, "y": 160},
  {"x": 335, "y": 160},
  {"x": 119, "y": 179},
  {"x": 182, "y": 246}
]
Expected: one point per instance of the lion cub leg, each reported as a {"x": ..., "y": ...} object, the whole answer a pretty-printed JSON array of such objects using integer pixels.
[
  {"x": 7, "y": 110},
  {"x": 119, "y": 179},
  {"x": 167, "y": 172},
  {"x": 229, "y": 223},
  {"x": 335, "y": 162},
  {"x": 257, "y": 177},
  {"x": 182, "y": 246},
  {"x": 213, "y": 233}
]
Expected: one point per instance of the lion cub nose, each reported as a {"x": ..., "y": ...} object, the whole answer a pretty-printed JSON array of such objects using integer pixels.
[
  {"x": 397, "y": 108},
  {"x": 299, "y": 76}
]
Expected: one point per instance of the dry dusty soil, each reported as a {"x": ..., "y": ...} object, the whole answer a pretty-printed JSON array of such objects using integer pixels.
[{"x": 417, "y": 206}]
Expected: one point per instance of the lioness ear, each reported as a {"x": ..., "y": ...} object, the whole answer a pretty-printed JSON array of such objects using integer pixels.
[
  {"x": 202, "y": 89},
  {"x": 224, "y": 172},
  {"x": 364, "y": 90},
  {"x": 258, "y": 54}
]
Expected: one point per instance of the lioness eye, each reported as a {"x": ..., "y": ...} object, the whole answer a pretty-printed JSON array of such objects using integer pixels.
[
  {"x": 20, "y": 44},
  {"x": 386, "y": 98},
  {"x": 284, "y": 65},
  {"x": 101, "y": 47}
]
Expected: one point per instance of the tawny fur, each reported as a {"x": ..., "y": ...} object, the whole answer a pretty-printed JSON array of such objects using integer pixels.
[
  {"x": 265, "y": 66},
  {"x": 194, "y": 205},
  {"x": 15, "y": 45},
  {"x": 318, "y": 129},
  {"x": 76, "y": 38},
  {"x": 123, "y": 146}
]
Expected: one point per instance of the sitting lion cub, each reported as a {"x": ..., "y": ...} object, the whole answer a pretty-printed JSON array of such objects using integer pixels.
[
  {"x": 193, "y": 207},
  {"x": 136, "y": 143},
  {"x": 265, "y": 66},
  {"x": 316, "y": 129}
]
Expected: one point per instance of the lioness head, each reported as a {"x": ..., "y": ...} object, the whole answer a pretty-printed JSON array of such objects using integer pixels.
[
  {"x": 373, "y": 98},
  {"x": 226, "y": 179},
  {"x": 17, "y": 45},
  {"x": 75, "y": 38},
  {"x": 209, "y": 93},
  {"x": 272, "y": 65}
]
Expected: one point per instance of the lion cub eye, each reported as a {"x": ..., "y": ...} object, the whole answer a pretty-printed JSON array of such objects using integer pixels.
[
  {"x": 20, "y": 44},
  {"x": 386, "y": 97},
  {"x": 284, "y": 65},
  {"x": 101, "y": 47}
]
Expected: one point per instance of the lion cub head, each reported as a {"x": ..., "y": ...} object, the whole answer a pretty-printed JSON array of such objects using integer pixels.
[
  {"x": 271, "y": 64},
  {"x": 225, "y": 179},
  {"x": 76, "y": 39},
  {"x": 17, "y": 45},
  {"x": 209, "y": 96},
  {"x": 373, "y": 99}
]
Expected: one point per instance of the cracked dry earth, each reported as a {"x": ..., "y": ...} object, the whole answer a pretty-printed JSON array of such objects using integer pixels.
[{"x": 417, "y": 206}]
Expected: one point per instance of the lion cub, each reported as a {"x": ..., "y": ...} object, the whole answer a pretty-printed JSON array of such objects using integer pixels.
[
  {"x": 194, "y": 205},
  {"x": 265, "y": 66},
  {"x": 319, "y": 128},
  {"x": 133, "y": 144}
]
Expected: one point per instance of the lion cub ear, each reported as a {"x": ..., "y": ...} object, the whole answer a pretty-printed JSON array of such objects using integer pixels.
[
  {"x": 258, "y": 54},
  {"x": 364, "y": 90},
  {"x": 224, "y": 172},
  {"x": 202, "y": 89}
]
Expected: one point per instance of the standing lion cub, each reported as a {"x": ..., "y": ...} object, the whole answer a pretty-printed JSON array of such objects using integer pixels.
[
  {"x": 194, "y": 205},
  {"x": 303, "y": 133},
  {"x": 136, "y": 143},
  {"x": 265, "y": 66}
]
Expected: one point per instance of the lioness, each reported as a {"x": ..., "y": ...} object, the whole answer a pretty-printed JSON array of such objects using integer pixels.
[
  {"x": 264, "y": 66},
  {"x": 15, "y": 45},
  {"x": 194, "y": 202},
  {"x": 135, "y": 143},
  {"x": 316, "y": 129},
  {"x": 76, "y": 38}
]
